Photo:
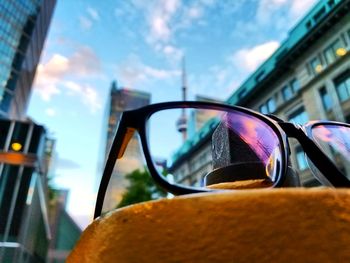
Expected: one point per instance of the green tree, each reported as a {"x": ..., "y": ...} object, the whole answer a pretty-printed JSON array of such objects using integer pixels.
[{"x": 141, "y": 188}]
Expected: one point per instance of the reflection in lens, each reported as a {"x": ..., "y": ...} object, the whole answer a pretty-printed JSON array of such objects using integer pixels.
[
  {"x": 130, "y": 181},
  {"x": 215, "y": 148},
  {"x": 335, "y": 142}
]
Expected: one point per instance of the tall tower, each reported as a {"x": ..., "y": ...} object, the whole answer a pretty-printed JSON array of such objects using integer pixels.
[
  {"x": 181, "y": 124},
  {"x": 122, "y": 99}
]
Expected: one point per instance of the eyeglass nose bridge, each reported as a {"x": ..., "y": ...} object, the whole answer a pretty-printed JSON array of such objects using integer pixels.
[{"x": 292, "y": 130}]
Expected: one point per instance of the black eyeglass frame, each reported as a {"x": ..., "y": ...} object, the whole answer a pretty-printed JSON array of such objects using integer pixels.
[{"x": 135, "y": 120}]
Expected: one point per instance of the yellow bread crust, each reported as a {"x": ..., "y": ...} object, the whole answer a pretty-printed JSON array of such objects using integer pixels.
[
  {"x": 244, "y": 184},
  {"x": 276, "y": 225}
]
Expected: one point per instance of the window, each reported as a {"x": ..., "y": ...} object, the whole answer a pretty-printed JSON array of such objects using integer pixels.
[
  {"x": 260, "y": 76},
  {"x": 334, "y": 51},
  {"x": 36, "y": 141},
  {"x": 289, "y": 90},
  {"x": 5, "y": 101},
  {"x": 300, "y": 157},
  {"x": 316, "y": 65},
  {"x": 287, "y": 93},
  {"x": 344, "y": 39},
  {"x": 242, "y": 93},
  {"x": 308, "y": 25},
  {"x": 268, "y": 107},
  {"x": 326, "y": 99},
  {"x": 271, "y": 105},
  {"x": 4, "y": 128},
  {"x": 308, "y": 69},
  {"x": 331, "y": 3},
  {"x": 7, "y": 185},
  {"x": 343, "y": 88},
  {"x": 329, "y": 55},
  {"x": 320, "y": 14},
  {"x": 299, "y": 116},
  {"x": 263, "y": 109},
  {"x": 295, "y": 84}
]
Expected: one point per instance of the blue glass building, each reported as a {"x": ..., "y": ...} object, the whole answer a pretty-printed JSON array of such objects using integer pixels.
[
  {"x": 23, "y": 28},
  {"x": 25, "y": 150}
]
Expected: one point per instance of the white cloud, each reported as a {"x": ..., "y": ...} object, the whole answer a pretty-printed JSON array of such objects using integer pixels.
[
  {"x": 133, "y": 71},
  {"x": 87, "y": 20},
  {"x": 281, "y": 13},
  {"x": 159, "y": 73},
  {"x": 82, "y": 212},
  {"x": 170, "y": 6},
  {"x": 50, "y": 112},
  {"x": 159, "y": 29},
  {"x": 83, "y": 63},
  {"x": 85, "y": 23},
  {"x": 251, "y": 58},
  {"x": 72, "y": 88},
  {"x": 56, "y": 66},
  {"x": 272, "y": 17},
  {"x": 163, "y": 20},
  {"x": 194, "y": 12},
  {"x": 266, "y": 8},
  {"x": 47, "y": 76},
  {"x": 91, "y": 98},
  {"x": 190, "y": 14},
  {"x": 86, "y": 93},
  {"x": 225, "y": 77},
  {"x": 228, "y": 76},
  {"x": 52, "y": 77},
  {"x": 47, "y": 92},
  {"x": 300, "y": 7},
  {"x": 173, "y": 52},
  {"x": 93, "y": 13},
  {"x": 126, "y": 10},
  {"x": 159, "y": 19}
]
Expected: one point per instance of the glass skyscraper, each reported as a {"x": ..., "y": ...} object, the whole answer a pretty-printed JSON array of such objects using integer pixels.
[
  {"x": 23, "y": 28},
  {"x": 25, "y": 150}
]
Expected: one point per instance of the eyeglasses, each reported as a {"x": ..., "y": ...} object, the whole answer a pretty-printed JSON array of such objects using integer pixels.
[{"x": 192, "y": 147}]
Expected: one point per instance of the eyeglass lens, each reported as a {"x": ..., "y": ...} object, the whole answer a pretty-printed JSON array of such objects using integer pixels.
[
  {"x": 334, "y": 140},
  {"x": 129, "y": 180},
  {"x": 213, "y": 148}
]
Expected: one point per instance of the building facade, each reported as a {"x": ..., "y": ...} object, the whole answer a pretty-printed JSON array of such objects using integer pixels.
[
  {"x": 122, "y": 99},
  {"x": 307, "y": 78},
  {"x": 24, "y": 163},
  {"x": 65, "y": 232},
  {"x": 25, "y": 150},
  {"x": 23, "y": 29}
]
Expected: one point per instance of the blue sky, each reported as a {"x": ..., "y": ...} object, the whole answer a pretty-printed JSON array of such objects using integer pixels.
[{"x": 140, "y": 44}]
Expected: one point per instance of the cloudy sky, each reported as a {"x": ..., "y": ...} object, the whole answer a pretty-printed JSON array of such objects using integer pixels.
[{"x": 140, "y": 44}]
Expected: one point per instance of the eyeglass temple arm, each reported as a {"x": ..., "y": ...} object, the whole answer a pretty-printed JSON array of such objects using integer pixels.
[
  {"x": 292, "y": 178},
  {"x": 316, "y": 155},
  {"x": 114, "y": 152}
]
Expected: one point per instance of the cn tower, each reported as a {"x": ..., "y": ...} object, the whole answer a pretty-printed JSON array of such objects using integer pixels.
[{"x": 181, "y": 123}]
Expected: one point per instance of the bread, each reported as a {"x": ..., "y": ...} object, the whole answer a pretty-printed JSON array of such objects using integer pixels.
[{"x": 275, "y": 225}]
